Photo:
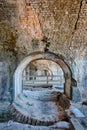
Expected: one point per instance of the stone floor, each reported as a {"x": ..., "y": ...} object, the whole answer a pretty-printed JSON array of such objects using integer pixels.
[
  {"x": 35, "y": 110},
  {"x": 6, "y": 124},
  {"x": 39, "y": 111}
]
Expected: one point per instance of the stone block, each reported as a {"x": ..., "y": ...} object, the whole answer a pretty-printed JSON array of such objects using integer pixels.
[{"x": 76, "y": 112}]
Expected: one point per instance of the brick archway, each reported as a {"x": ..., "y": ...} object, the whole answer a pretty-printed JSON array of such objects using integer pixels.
[{"x": 38, "y": 56}]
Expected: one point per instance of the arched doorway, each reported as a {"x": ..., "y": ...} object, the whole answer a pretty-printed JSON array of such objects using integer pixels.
[{"x": 38, "y": 56}]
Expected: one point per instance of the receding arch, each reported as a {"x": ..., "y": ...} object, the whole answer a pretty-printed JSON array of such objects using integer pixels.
[
  {"x": 38, "y": 56},
  {"x": 46, "y": 69}
]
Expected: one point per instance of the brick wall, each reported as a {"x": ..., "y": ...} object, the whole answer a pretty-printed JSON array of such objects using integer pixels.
[{"x": 63, "y": 22}]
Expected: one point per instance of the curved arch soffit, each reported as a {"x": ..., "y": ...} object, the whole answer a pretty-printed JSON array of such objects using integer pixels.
[{"x": 47, "y": 69}]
